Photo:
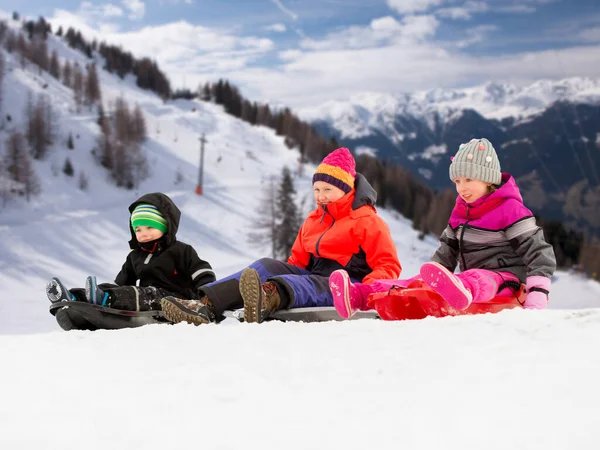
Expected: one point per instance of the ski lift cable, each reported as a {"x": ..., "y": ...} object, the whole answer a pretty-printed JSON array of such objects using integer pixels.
[
  {"x": 581, "y": 131},
  {"x": 552, "y": 178},
  {"x": 576, "y": 156}
]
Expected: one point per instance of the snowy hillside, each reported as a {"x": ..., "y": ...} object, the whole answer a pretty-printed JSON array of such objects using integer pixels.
[
  {"x": 522, "y": 379},
  {"x": 356, "y": 117},
  {"x": 71, "y": 233}
]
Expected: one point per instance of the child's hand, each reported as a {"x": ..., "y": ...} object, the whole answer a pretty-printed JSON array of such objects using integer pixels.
[{"x": 537, "y": 292}]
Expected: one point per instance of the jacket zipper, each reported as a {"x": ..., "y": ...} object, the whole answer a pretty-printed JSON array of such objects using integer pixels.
[
  {"x": 460, "y": 240},
  {"x": 325, "y": 211}
]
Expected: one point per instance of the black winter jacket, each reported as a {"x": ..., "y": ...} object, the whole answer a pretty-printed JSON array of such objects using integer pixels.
[{"x": 172, "y": 265}]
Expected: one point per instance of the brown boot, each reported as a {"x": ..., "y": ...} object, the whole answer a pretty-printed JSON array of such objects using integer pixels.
[
  {"x": 259, "y": 299},
  {"x": 197, "y": 312}
]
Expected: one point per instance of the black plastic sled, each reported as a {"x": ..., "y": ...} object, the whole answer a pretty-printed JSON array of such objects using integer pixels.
[{"x": 86, "y": 316}]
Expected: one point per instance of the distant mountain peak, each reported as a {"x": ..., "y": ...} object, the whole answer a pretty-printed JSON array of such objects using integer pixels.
[{"x": 493, "y": 100}]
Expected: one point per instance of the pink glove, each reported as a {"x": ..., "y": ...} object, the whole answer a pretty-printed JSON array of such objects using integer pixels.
[{"x": 538, "y": 288}]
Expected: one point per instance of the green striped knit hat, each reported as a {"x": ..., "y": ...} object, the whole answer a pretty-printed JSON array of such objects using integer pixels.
[{"x": 148, "y": 216}]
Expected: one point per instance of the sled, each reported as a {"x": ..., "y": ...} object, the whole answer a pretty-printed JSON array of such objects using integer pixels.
[
  {"x": 72, "y": 315},
  {"x": 318, "y": 314},
  {"x": 417, "y": 301}
]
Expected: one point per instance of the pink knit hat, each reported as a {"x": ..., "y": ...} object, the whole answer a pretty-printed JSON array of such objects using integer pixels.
[{"x": 338, "y": 168}]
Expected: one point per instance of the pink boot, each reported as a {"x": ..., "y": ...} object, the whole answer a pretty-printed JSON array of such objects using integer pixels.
[
  {"x": 483, "y": 284},
  {"x": 348, "y": 297},
  {"x": 448, "y": 285}
]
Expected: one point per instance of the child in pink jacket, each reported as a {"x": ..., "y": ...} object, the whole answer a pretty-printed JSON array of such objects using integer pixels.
[{"x": 491, "y": 235}]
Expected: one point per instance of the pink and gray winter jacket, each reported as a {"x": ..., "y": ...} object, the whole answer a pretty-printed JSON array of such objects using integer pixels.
[{"x": 498, "y": 233}]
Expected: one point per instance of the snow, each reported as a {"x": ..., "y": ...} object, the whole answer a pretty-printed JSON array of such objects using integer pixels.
[
  {"x": 518, "y": 379},
  {"x": 363, "y": 113}
]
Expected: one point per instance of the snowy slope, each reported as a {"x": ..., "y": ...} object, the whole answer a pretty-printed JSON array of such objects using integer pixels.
[
  {"x": 519, "y": 379},
  {"x": 356, "y": 117},
  {"x": 69, "y": 233}
]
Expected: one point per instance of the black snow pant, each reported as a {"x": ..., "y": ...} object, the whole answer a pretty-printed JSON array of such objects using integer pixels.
[{"x": 129, "y": 298}]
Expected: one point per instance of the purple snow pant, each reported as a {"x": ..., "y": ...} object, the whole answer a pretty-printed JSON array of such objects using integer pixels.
[{"x": 297, "y": 288}]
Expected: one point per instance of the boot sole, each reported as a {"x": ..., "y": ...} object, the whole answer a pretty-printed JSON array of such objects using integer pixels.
[
  {"x": 250, "y": 287},
  {"x": 90, "y": 290},
  {"x": 178, "y": 313},
  {"x": 57, "y": 284},
  {"x": 445, "y": 283}
]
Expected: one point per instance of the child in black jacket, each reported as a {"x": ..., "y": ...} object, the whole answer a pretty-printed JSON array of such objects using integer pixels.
[{"x": 162, "y": 264}]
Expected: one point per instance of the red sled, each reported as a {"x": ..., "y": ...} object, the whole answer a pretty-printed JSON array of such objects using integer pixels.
[{"x": 417, "y": 301}]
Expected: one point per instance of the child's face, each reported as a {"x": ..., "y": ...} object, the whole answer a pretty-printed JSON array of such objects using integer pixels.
[
  {"x": 147, "y": 234},
  {"x": 471, "y": 190},
  {"x": 326, "y": 193}
]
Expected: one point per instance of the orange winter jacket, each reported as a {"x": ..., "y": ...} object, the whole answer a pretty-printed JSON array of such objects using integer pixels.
[{"x": 348, "y": 234}]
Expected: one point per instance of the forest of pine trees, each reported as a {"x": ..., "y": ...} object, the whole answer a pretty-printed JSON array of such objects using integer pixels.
[{"x": 120, "y": 149}]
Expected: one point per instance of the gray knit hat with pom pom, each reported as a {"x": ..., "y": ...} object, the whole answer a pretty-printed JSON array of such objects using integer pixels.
[{"x": 477, "y": 160}]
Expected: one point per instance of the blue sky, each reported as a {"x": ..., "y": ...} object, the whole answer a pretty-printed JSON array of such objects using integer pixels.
[{"x": 304, "y": 52}]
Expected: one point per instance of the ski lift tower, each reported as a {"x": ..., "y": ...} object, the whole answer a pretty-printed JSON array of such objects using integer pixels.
[{"x": 202, "y": 140}]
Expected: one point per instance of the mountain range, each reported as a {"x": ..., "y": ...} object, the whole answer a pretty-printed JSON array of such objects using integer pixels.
[{"x": 547, "y": 135}]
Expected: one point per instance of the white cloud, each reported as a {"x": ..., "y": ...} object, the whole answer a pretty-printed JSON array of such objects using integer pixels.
[
  {"x": 182, "y": 50},
  {"x": 465, "y": 11},
  {"x": 381, "y": 31},
  {"x": 276, "y": 27},
  {"x": 590, "y": 35},
  {"x": 285, "y": 10},
  {"x": 412, "y": 6},
  {"x": 137, "y": 8},
  {"x": 524, "y": 9},
  {"x": 101, "y": 11},
  {"x": 309, "y": 78},
  {"x": 475, "y": 35},
  {"x": 387, "y": 55}
]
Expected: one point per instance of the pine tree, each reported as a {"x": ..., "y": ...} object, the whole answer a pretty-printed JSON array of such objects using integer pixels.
[
  {"x": 19, "y": 165},
  {"x": 67, "y": 74},
  {"x": 39, "y": 127},
  {"x": 68, "y": 168},
  {"x": 205, "y": 94},
  {"x": 92, "y": 86},
  {"x": 105, "y": 145},
  {"x": 288, "y": 217},
  {"x": 1, "y": 75},
  {"x": 78, "y": 87},
  {"x": 122, "y": 121},
  {"x": 264, "y": 225},
  {"x": 138, "y": 125},
  {"x": 70, "y": 145},
  {"x": 39, "y": 53},
  {"x": 83, "y": 181},
  {"x": 54, "y": 65}
]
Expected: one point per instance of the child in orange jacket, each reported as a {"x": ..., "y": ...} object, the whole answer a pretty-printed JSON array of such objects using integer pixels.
[{"x": 343, "y": 232}]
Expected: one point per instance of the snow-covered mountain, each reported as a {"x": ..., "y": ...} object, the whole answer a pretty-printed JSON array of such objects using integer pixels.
[{"x": 364, "y": 112}]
